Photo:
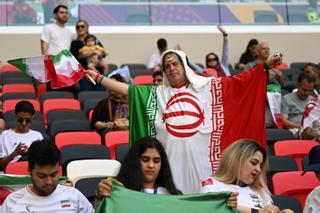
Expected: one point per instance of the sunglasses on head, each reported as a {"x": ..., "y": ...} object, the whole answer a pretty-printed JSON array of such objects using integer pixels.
[
  {"x": 80, "y": 26},
  {"x": 27, "y": 120}
]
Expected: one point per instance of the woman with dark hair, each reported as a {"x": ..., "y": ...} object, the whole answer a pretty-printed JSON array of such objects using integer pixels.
[
  {"x": 145, "y": 168},
  {"x": 250, "y": 54}
]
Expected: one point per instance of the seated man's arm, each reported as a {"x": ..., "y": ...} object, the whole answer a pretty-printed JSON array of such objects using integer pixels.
[
  {"x": 287, "y": 123},
  {"x": 308, "y": 135},
  {"x": 20, "y": 149}
]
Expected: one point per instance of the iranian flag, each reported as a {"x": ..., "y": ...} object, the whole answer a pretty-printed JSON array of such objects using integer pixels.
[
  {"x": 62, "y": 70},
  {"x": 311, "y": 113}
]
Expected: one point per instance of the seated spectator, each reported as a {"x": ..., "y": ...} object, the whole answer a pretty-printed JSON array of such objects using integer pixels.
[
  {"x": 250, "y": 55},
  {"x": 310, "y": 124},
  {"x": 311, "y": 68},
  {"x": 157, "y": 77},
  {"x": 92, "y": 48},
  {"x": 242, "y": 169},
  {"x": 45, "y": 194},
  {"x": 155, "y": 58},
  {"x": 111, "y": 113},
  {"x": 294, "y": 103},
  {"x": 312, "y": 204},
  {"x": 14, "y": 143}
]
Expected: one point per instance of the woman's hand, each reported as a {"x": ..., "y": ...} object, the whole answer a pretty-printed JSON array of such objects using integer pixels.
[
  {"x": 104, "y": 188},
  {"x": 269, "y": 209},
  {"x": 222, "y": 30},
  {"x": 232, "y": 201}
]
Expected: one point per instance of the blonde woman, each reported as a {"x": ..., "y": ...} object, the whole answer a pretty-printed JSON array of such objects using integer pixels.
[{"x": 243, "y": 169}]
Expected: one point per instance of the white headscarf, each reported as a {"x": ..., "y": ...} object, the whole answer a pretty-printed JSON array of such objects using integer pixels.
[{"x": 196, "y": 81}]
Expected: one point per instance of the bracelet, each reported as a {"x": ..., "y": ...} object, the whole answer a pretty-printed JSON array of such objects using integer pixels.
[
  {"x": 254, "y": 210},
  {"x": 97, "y": 195},
  {"x": 100, "y": 79},
  {"x": 97, "y": 77}
]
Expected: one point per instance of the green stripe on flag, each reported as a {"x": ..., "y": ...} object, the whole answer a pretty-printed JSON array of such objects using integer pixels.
[
  {"x": 19, "y": 63},
  {"x": 273, "y": 88},
  {"x": 21, "y": 179},
  {"x": 63, "y": 53},
  {"x": 123, "y": 200}
]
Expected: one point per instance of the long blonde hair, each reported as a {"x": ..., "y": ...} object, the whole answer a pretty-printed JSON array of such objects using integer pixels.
[{"x": 233, "y": 159}]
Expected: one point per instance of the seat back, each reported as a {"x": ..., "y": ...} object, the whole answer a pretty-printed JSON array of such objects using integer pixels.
[
  {"x": 59, "y": 104},
  {"x": 86, "y": 95},
  {"x": 13, "y": 88},
  {"x": 66, "y": 115},
  {"x": 55, "y": 95},
  {"x": 143, "y": 79},
  {"x": 19, "y": 95},
  {"x": 21, "y": 80},
  {"x": 297, "y": 149},
  {"x": 82, "y": 152},
  {"x": 287, "y": 202},
  {"x": 37, "y": 125},
  {"x": 121, "y": 151},
  {"x": 115, "y": 138},
  {"x": 88, "y": 187},
  {"x": 294, "y": 184},
  {"x": 79, "y": 169},
  {"x": 17, "y": 168},
  {"x": 90, "y": 104},
  {"x": 10, "y": 116},
  {"x": 71, "y": 138},
  {"x": 67, "y": 126},
  {"x": 10, "y": 105},
  {"x": 137, "y": 69},
  {"x": 8, "y": 68}
]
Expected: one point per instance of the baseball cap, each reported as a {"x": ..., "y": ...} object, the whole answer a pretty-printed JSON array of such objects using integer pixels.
[{"x": 314, "y": 160}]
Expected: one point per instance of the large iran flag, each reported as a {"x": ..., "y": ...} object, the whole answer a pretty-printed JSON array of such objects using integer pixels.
[{"x": 62, "y": 70}]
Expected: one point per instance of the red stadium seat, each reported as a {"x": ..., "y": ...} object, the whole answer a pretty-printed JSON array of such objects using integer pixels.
[
  {"x": 9, "y": 105},
  {"x": 71, "y": 138},
  {"x": 143, "y": 79},
  {"x": 7, "y": 88},
  {"x": 17, "y": 168},
  {"x": 9, "y": 68},
  {"x": 59, "y": 103},
  {"x": 115, "y": 138},
  {"x": 42, "y": 88},
  {"x": 90, "y": 114},
  {"x": 294, "y": 184},
  {"x": 296, "y": 149}
]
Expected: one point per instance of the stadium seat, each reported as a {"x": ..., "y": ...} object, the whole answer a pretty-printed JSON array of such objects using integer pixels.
[
  {"x": 19, "y": 95},
  {"x": 137, "y": 69},
  {"x": 17, "y": 81},
  {"x": 296, "y": 149},
  {"x": 115, "y": 138},
  {"x": 294, "y": 184},
  {"x": 12, "y": 88},
  {"x": 82, "y": 152},
  {"x": 265, "y": 17},
  {"x": 88, "y": 187},
  {"x": 121, "y": 151},
  {"x": 71, "y": 138},
  {"x": 41, "y": 88},
  {"x": 143, "y": 80},
  {"x": 68, "y": 126},
  {"x": 66, "y": 115},
  {"x": 90, "y": 114},
  {"x": 10, "y": 105},
  {"x": 59, "y": 104},
  {"x": 17, "y": 168},
  {"x": 287, "y": 202},
  {"x": 79, "y": 169},
  {"x": 274, "y": 135},
  {"x": 298, "y": 65},
  {"x": 9, "y": 68},
  {"x": 280, "y": 164},
  {"x": 86, "y": 95},
  {"x": 90, "y": 104},
  {"x": 305, "y": 162},
  {"x": 37, "y": 125},
  {"x": 56, "y": 95}
]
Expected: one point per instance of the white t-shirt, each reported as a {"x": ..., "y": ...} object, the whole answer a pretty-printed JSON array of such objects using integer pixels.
[
  {"x": 57, "y": 37},
  {"x": 159, "y": 191},
  {"x": 247, "y": 196},
  {"x": 154, "y": 60},
  {"x": 9, "y": 140},
  {"x": 63, "y": 199},
  {"x": 313, "y": 201}
]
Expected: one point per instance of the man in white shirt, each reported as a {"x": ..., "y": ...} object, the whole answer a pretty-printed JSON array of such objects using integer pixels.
[
  {"x": 45, "y": 194},
  {"x": 56, "y": 37},
  {"x": 313, "y": 200},
  {"x": 155, "y": 58},
  {"x": 14, "y": 143}
]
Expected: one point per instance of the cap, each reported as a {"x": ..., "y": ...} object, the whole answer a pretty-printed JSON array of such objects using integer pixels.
[{"x": 314, "y": 160}]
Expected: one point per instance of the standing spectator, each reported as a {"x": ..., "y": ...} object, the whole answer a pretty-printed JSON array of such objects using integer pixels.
[
  {"x": 22, "y": 13},
  {"x": 250, "y": 55},
  {"x": 57, "y": 37},
  {"x": 312, "y": 204},
  {"x": 14, "y": 143},
  {"x": 310, "y": 123},
  {"x": 195, "y": 117},
  {"x": 294, "y": 103},
  {"x": 311, "y": 68},
  {"x": 45, "y": 194},
  {"x": 155, "y": 58}
]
